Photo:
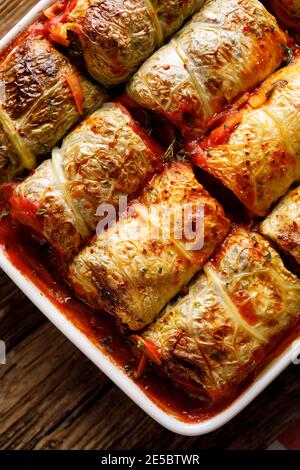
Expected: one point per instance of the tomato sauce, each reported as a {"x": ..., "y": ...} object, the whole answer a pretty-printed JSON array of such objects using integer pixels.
[
  {"x": 150, "y": 143},
  {"x": 246, "y": 307},
  {"x": 34, "y": 260}
]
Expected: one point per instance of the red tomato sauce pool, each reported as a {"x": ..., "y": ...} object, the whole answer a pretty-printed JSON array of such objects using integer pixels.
[{"x": 35, "y": 261}]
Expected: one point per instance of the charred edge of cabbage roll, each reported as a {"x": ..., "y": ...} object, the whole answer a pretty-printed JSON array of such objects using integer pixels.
[
  {"x": 135, "y": 278},
  {"x": 282, "y": 226},
  {"x": 44, "y": 95},
  {"x": 196, "y": 75},
  {"x": 60, "y": 199},
  {"x": 116, "y": 37},
  {"x": 215, "y": 338},
  {"x": 38, "y": 203},
  {"x": 10, "y": 162},
  {"x": 249, "y": 152},
  {"x": 117, "y": 159}
]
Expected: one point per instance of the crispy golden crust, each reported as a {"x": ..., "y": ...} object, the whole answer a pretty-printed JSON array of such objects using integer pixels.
[
  {"x": 132, "y": 270},
  {"x": 38, "y": 203},
  {"x": 117, "y": 36},
  {"x": 9, "y": 158},
  {"x": 225, "y": 50},
  {"x": 38, "y": 107},
  {"x": 102, "y": 159},
  {"x": 255, "y": 153},
  {"x": 283, "y": 224},
  {"x": 219, "y": 332}
]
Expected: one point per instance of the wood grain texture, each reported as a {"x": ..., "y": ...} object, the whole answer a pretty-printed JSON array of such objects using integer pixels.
[
  {"x": 11, "y": 11},
  {"x": 52, "y": 397}
]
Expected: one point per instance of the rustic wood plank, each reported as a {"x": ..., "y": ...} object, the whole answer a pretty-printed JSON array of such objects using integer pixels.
[
  {"x": 11, "y": 11},
  {"x": 52, "y": 397},
  {"x": 18, "y": 317},
  {"x": 49, "y": 378}
]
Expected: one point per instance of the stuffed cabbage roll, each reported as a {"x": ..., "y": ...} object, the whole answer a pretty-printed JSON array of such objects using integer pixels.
[
  {"x": 116, "y": 36},
  {"x": 210, "y": 339},
  {"x": 226, "y": 49},
  {"x": 135, "y": 267},
  {"x": 287, "y": 12},
  {"x": 42, "y": 97},
  {"x": 10, "y": 161},
  {"x": 256, "y": 151},
  {"x": 107, "y": 156},
  {"x": 283, "y": 224}
]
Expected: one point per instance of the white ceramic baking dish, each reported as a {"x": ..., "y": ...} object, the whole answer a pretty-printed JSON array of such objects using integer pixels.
[{"x": 102, "y": 361}]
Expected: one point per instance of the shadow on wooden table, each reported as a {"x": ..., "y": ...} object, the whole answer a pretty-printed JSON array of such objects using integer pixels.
[{"x": 52, "y": 397}]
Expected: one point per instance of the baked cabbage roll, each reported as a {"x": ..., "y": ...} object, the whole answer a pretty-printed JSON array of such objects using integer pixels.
[
  {"x": 226, "y": 49},
  {"x": 255, "y": 152},
  {"x": 210, "y": 339},
  {"x": 116, "y": 36},
  {"x": 42, "y": 97},
  {"x": 10, "y": 162},
  {"x": 107, "y": 156},
  {"x": 283, "y": 224},
  {"x": 136, "y": 266},
  {"x": 287, "y": 12}
]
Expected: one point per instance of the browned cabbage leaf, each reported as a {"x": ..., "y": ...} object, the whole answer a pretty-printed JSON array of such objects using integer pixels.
[
  {"x": 118, "y": 35},
  {"x": 283, "y": 224},
  {"x": 104, "y": 158},
  {"x": 39, "y": 203},
  {"x": 131, "y": 270},
  {"x": 37, "y": 107},
  {"x": 255, "y": 152},
  {"x": 225, "y": 50},
  {"x": 10, "y": 163},
  {"x": 220, "y": 331}
]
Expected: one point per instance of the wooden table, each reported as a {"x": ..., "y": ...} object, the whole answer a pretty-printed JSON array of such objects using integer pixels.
[{"x": 52, "y": 397}]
